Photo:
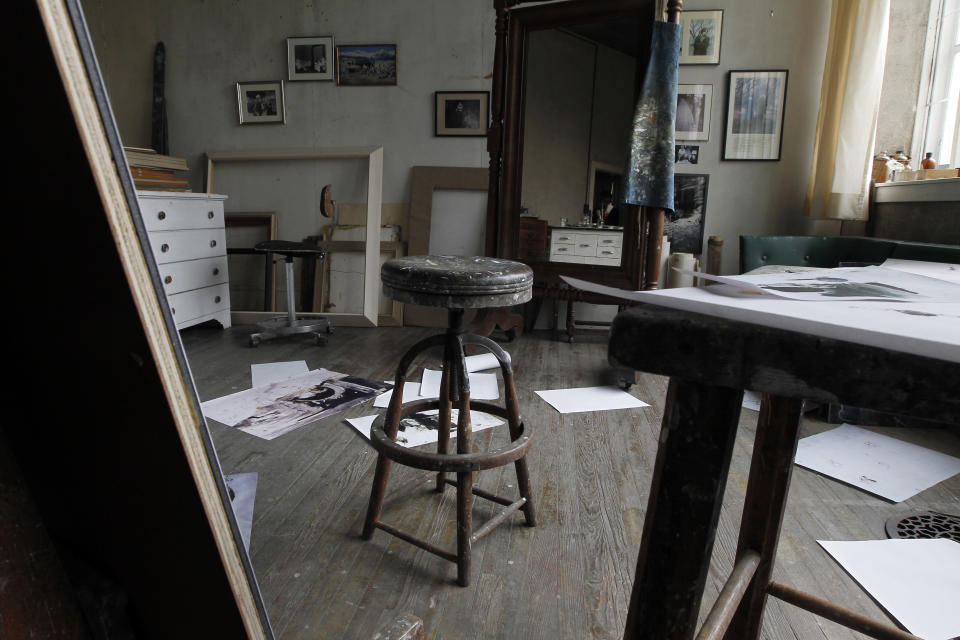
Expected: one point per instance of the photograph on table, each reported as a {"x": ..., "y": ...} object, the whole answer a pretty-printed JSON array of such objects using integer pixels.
[
  {"x": 260, "y": 102},
  {"x": 700, "y": 37},
  {"x": 694, "y": 104},
  {"x": 755, "y": 110},
  {"x": 462, "y": 113},
  {"x": 684, "y": 225},
  {"x": 310, "y": 58},
  {"x": 366, "y": 65}
]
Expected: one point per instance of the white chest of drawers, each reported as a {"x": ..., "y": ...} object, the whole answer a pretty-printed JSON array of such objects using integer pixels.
[
  {"x": 186, "y": 232},
  {"x": 586, "y": 246}
]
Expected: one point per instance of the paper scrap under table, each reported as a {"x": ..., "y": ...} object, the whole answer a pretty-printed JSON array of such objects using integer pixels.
[
  {"x": 421, "y": 428},
  {"x": 281, "y": 407},
  {"x": 916, "y": 581},
  {"x": 590, "y": 399},
  {"x": 483, "y": 386},
  {"x": 269, "y": 372},
  {"x": 411, "y": 392},
  {"x": 482, "y": 362},
  {"x": 881, "y": 465},
  {"x": 242, "y": 489}
]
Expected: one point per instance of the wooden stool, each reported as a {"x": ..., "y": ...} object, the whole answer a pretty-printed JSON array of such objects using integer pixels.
[{"x": 456, "y": 283}]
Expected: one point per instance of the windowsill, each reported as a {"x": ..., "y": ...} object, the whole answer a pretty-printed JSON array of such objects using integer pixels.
[{"x": 935, "y": 190}]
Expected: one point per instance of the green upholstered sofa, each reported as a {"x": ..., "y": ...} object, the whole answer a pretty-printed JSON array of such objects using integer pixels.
[{"x": 830, "y": 251}]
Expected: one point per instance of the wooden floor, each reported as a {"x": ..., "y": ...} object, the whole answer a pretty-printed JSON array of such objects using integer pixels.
[{"x": 570, "y": 576}]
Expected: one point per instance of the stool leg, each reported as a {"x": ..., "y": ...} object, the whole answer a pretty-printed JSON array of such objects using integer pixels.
[
  {"x": 464, "y": 495},
  {"x": 514, "y": 420},
  {"x": 443, "y": 437},
  {"x": 382, "y": 473}
]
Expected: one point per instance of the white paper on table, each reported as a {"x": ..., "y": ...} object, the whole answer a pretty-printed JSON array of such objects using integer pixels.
[
  {"x": 415, "y": 435},
  {"x": 590, "y": 399},
  {"x": 268, "y": 372},
  {"x": 881, "y": 465},
  {"x": 482, "y": 362},
  {"x": 751, "y": 400},
  {"x": 483, "y": 386},
  {"x": 916, "y": 581},
  {"x": 411, "y": 392},
  {"x": 242, "y": 489},
  {"x": 921, "y": 328},
  {"x": 939, "y": 270}
]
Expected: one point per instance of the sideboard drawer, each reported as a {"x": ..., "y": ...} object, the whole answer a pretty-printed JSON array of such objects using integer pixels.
[
  {"x": 161, "y": 214},
  {"x": 193, "y": 274},
  {"x": 174, "y": 246},
  {"x": 189, "y": 305}
]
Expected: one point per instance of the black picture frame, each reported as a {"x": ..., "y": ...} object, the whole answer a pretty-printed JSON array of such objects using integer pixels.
[
  {"x": 700, "y": 37},
  {"x": 756, "y": 109},
  {"x": 310, "y": 58},
  {"x": 261, "y": 102},
  {"x": 461, "y": 113},
  {"x": 684, "y": 225}
]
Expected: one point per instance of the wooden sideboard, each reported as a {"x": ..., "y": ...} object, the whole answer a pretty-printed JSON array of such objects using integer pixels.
[{"x": 186, "y": 232}]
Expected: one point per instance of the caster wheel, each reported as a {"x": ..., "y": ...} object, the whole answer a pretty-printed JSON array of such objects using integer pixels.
[
  {"x": 254, "y": 341},
  {"x": 330, "y": 328}
]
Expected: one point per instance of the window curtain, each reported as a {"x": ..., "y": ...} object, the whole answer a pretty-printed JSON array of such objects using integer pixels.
[{"x": 849, "y": 104}]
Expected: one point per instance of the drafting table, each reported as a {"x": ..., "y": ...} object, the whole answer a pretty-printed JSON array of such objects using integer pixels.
[{"x": 710, "y": 361}]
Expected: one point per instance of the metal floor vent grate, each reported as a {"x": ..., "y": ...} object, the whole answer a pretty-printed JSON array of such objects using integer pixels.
[{"x": 928, "y": 524}]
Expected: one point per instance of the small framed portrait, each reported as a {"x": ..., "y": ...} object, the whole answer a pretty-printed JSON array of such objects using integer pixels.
[
  {"x": 700, "y": 37},
  {"x": 366, "y": 65},
  {"x": 464, "y": 113},
  {"x": 687, "y": 154},
  {"x": 310, "y": 58},
  {"x": 755, "y": 107},
  {"x": 261, "y": 102},
  {"x": 694, "y": 104},
  {"x": 684, "y": 225}
]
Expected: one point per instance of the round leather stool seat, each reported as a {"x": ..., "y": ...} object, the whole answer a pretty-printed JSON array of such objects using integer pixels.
[{"x": 457, "y": 282}]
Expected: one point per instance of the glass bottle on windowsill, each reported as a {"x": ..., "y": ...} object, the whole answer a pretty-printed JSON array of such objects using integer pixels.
[{"x": 928, "y": 162}]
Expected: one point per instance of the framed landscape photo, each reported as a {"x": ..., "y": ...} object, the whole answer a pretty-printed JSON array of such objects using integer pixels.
[
  {"x": 684, "y": 225},
  {"x": 261, "y": 102},
  {"x": 310, "y": 58},
  {"x": 694, "y": 104},
  {"x": 700, "y": 37},
  {"x": 366, "y": 65},
  {"x": 464, "y": 113},
  {"x": 755, "y": 107}
]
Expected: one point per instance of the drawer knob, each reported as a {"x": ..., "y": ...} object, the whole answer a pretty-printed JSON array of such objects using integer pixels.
[
  {"x": 584, "y": 245},
  {"x": 607, "y": 253},
  {"x": 168, "y": 279},
  {"x": 173, "y": 310},
  {"x": 210, "y": 214},
  {"x": 607, "y": 241},
  {"x": 164, "y": 247},
  {"x": 216, "y": 271},
  {"x": 213, "y": 243},
  {"x": 162, "y": 215},
  {"x": 217, "y": 299}
]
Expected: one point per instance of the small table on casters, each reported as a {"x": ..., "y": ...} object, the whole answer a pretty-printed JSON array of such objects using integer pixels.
[
  {"x": 455, "y": 283},
  {"x": 710, "y": 361},
  {"x": 290, "y": 324}
]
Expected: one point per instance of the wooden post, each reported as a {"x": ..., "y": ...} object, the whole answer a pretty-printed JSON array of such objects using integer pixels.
[{"x": 714, "y": 254}]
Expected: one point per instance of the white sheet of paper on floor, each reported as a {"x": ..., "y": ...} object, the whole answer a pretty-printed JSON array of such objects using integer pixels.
[
  {"x": 269, "y": 372},
  {"x": 916, "y": 581},
  {"x": 280, "y": 407},
  {"x": 483, "y": 386},
  {"x": 881, "y": 465},
  {"x": 411, "y": 392},
  {"x": 482, "y": 362},
  {"x": 242, "y": 489},
  {"x": 590, "y": 399},
  {"x": 415, "y": 435},
  {"x": 751, "y": 400}
]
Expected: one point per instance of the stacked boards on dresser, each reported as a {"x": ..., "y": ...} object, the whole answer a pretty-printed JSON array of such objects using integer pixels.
[{"x": 153, "y": 171}]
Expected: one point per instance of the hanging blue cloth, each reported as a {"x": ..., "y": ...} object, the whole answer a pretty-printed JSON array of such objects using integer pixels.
[{"x": 649, "y": 180}]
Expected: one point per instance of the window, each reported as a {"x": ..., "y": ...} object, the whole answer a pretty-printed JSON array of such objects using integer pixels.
[{"x": 942, "y": 130}]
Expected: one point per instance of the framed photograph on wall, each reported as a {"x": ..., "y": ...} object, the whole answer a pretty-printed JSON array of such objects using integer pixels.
[
  {"x": 700, "y": 37},
  {"x": 463, "y": 113},
  {"x": 261, "y": 102},
  {"x": 694, "y": 105},
  {"x": 366, "y": 65},
  {"x": 684, "y": 225},
  {"x": 755, "y": 106},
  {"x": 310, "y": 58},
  {"x": 687, "y": 154}
]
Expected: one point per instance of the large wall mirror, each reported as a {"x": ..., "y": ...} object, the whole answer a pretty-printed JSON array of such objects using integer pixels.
[{"x": 569, "y": 82}]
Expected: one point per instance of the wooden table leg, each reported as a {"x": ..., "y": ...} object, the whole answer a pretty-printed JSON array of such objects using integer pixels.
[
  {"x": 693, "y": 458},
  {"x": 773, "y": 452}
]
